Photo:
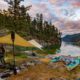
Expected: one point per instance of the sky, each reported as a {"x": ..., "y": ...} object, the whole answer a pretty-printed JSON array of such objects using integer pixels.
[{"x": 64, "y": 14}]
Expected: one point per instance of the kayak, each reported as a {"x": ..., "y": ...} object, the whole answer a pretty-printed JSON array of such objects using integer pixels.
[
  {"x": 73, "y": 64},
  {"x": 56, "y": 59}
]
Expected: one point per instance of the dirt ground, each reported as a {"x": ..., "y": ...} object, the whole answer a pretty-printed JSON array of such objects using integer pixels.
[{"x": 45, "y": 71}]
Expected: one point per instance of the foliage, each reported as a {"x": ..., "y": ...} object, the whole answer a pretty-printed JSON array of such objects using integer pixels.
[{"x": 18, "y": 19}]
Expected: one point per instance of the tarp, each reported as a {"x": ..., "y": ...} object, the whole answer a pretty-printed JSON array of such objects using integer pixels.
[
  {"x": 35, "y": 43},
  {"x": 19, "y": 41},
  {"x": 72, "y": 65}
]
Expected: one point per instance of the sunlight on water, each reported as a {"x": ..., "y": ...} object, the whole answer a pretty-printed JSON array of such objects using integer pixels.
[{"x": 67, "y": 49}]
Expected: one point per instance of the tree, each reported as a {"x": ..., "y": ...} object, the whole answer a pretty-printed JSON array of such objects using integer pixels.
[
  {"x": 21, "y": 22},
  {"x": 18, "y": 13},
  {"x": 44, "y": 32}
]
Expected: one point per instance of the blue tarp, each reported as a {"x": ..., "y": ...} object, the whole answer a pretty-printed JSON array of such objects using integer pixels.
[
  {"x": 71, "y": 63},
  {"x": 55, "y": 59}
]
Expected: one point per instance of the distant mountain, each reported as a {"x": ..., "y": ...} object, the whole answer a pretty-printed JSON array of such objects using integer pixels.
[{"x": 72, "y": 38}]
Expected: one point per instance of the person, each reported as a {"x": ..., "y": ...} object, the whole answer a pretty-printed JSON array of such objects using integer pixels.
[{"x": 2, "y": 52}]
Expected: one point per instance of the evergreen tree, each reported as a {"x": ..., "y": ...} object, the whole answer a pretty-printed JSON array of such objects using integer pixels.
[
  {"x": 18, "y": 13},
  {"x": 21, "y": 22}
]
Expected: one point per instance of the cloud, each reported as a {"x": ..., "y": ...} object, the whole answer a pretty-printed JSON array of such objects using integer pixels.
[
  {"x": 65, "y": 2},
  {"x": 53, "y": 1},
  {"x": 64, "y": 13},
  {"x": 3, "y": 5},
  {"x": 76, "y": 4},
  {"x": 65, "y": 8},
  {"x": 68, "y": 13},
  {"x": 40, "y": 8},
  {"x": 68, "y": 27}
]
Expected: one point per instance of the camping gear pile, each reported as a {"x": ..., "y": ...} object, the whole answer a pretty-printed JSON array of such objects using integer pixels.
[
  {"x": 70, "y": 62},
  {"x": 14, "y": 39}
]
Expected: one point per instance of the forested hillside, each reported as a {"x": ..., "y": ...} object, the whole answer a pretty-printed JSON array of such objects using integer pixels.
[{"x": 17, "y": 18}]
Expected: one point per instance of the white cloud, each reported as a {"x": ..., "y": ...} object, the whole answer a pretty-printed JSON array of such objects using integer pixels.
[
  {"x": 40, "y": 8},
  {"x": 63, "y": 16},
  {"x": 3, "y": 5}
]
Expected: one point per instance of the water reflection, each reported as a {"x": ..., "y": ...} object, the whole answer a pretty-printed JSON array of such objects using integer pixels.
[{"x": 68, "y": 49}]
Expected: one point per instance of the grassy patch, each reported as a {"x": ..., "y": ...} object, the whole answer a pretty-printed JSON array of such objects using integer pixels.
[
  {"x": 19, "y": 57},
  {"x": 51, "y": 49}
]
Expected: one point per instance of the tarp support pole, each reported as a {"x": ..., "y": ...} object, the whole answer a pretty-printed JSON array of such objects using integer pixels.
[{"x": 14, "y": 64}]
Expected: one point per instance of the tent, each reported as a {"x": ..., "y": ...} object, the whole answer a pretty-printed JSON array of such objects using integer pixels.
[
  {"x": 19, "y": 41},
  {"x": 36, "y": 44}
]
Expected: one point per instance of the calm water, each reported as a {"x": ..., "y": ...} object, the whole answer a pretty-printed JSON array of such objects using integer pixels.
[{"x": 68, "y": 49}]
